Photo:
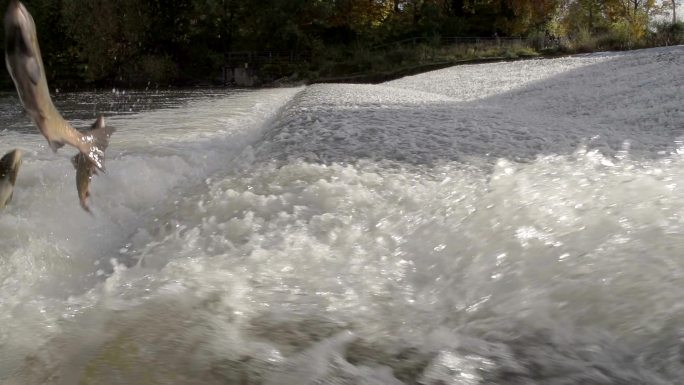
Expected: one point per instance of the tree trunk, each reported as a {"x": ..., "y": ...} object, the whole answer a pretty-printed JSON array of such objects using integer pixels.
[{"x": 674, "y": 12}]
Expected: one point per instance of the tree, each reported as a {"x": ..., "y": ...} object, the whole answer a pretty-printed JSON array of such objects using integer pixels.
[
  {"x": 115, "y": 35},
  {"x": 578, "y": 16},
  {"x": 514, "y": 17},
  {"x": 674, "y": 11},
  {"x": 633, "y": 14}
]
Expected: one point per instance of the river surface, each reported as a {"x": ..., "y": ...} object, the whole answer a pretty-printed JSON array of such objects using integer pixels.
[{"x": 509, "y": 223}]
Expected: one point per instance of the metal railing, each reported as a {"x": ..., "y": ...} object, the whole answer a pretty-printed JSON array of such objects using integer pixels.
[
  {"x": 444, "y": 41},
  {"x": 239, "y": 58}
]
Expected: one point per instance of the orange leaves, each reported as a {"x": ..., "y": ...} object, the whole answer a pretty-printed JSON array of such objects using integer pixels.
[{"x": 360, "y": 14}]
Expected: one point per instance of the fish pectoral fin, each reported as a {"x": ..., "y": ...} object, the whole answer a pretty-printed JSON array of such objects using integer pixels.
[
  {"x": 74, "y": 160},
  {"x": 96, "y": 141},
  {"x": 10, "y": 198},
  {"x": 33, "y": 69},
  {"x": 55, "y": 145}
]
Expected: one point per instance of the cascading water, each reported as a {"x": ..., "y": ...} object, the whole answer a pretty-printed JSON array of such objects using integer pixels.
[{"x": 512, "y": 223}]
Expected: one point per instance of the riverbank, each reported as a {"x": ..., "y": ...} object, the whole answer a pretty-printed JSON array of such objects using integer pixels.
[
  {"x": 376, "y": 78},
  {"x": 364, "y": 67},
  {"x": 390, "y": 72},
  {"x": 363, "y": 64}
]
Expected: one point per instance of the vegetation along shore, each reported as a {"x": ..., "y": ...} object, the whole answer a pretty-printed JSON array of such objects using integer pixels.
[{"x": 141, "y": 43}]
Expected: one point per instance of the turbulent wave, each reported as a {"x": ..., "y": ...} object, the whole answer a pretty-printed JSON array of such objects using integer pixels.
[{"x": 347, "y": 234}]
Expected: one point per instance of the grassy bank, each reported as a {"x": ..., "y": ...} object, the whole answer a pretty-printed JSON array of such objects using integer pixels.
[
  {"x": 363, "y": 64},
  {"x": 369, "y": 65}
]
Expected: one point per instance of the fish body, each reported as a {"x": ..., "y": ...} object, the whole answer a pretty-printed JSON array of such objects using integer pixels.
[
  {"x": 85, "y": 168},
  {"x": 9, "y": 168},
  {"x": 25, "y": 65}
]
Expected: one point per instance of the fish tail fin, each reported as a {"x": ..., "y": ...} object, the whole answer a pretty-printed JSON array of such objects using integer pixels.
[
  {"x": 84, "y": 205},
  {"x": 9, "y": 164},
  {"x": 94, "y": 142}
]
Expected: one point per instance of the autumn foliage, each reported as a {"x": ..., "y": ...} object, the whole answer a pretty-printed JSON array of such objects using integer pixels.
[{"x": 186, "y": 41}]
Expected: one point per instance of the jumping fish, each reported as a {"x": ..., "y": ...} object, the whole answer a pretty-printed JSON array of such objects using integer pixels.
[
  {"x": 25, "y": 65},
  {"x": 85, "y": 168},
  {"x": 9, "y": 168}
]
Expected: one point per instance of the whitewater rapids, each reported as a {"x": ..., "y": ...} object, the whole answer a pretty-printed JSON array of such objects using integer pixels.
[{"x": 505, "y": 223}]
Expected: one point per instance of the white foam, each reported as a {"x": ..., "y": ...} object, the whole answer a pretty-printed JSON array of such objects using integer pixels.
[{"x": 364, "y": 235}]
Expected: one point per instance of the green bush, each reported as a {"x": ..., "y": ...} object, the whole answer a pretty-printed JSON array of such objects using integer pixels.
[
  {"x": 149, "y": 69},
  {"x": 158, "y": 69},
  {"x": 584, "y": 41},
  {"x": 402, "y": 55},
  {"x": 620, "y": 37},
  {"x": 537, "y": 40},
  {"x": 665, "y": 34}
]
